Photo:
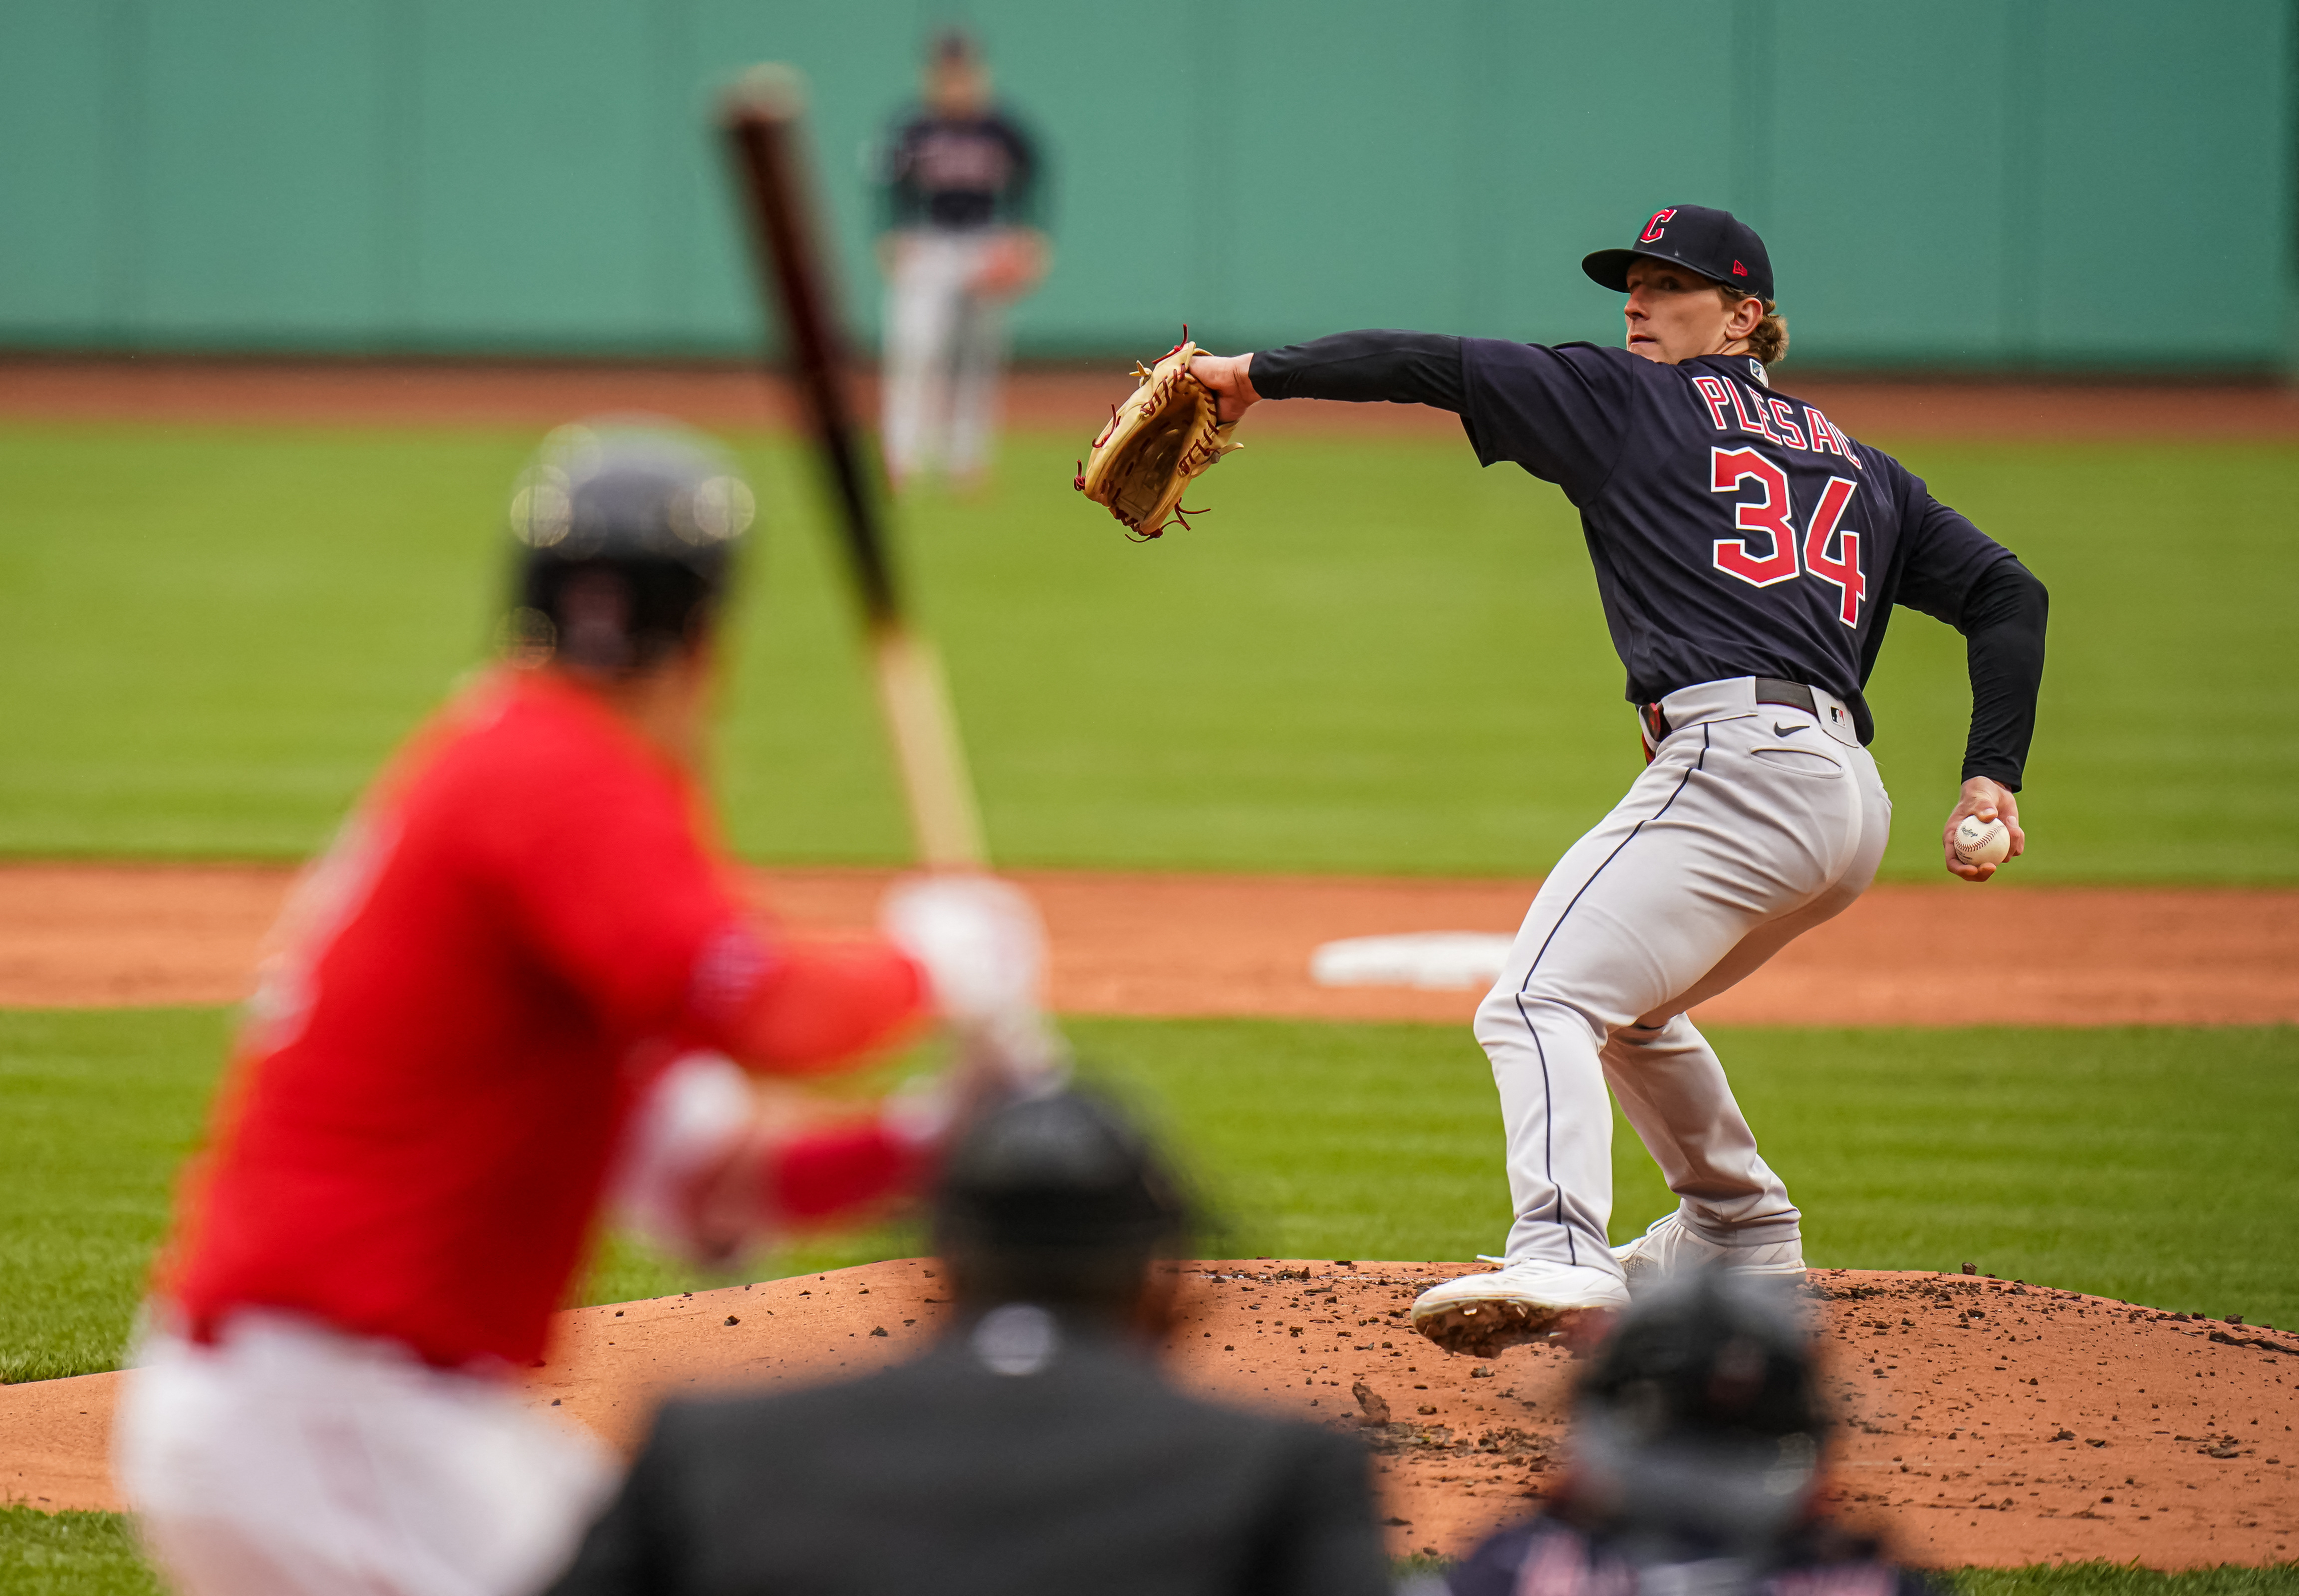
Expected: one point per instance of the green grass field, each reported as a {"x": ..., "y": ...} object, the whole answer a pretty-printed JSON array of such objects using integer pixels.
[
  {"x": 2150, "y": 1165},
  {"x": 1372, "y": 656},
  {"x": 2147, "y": 1165}
]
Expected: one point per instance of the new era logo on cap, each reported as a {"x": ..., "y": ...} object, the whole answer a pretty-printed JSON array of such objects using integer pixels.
[{"x": 1715, "y": 244}]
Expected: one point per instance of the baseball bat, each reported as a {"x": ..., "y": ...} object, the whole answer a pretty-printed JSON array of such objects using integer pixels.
[{"x": 763, "y": 123}]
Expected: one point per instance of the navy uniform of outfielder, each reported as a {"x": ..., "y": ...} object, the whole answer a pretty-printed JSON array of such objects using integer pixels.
[
  {"x": 962, "y": 188},
  {"x": 1749, "y": 555}
]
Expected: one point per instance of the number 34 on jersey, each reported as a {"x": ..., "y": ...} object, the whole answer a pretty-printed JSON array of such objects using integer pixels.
[{"x": 1770, "y": 548}]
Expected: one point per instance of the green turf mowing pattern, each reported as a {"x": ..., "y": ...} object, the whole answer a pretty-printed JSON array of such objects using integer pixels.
[
  {"x": 2142, "y": 1164},
  {"x": 2145, "y": 1164},
  {"x": 1372, "y": 656},
  {"x": 2150, "y": 1165},
  {"x": 2122, "y": 1579},
  {"x": 70, "y": 1554},
  {"x": 101, "y": 1107}
]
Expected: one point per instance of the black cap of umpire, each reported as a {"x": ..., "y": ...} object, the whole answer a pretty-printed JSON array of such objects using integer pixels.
[
  {"x": 1057, "y": 1199},
  {"x": 1715, "y": 244}
]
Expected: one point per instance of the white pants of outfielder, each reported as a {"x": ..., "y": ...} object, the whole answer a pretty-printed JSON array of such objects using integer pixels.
[
  {"x": 1753, "y": 823},
  {"x": 945, "y": 345},
  {"x": 290, "y": 1459}
]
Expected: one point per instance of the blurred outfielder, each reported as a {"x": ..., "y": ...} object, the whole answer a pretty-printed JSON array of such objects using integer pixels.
[
  {"x": 519, "y": 983},
  {"x": 963, "y": 187}
]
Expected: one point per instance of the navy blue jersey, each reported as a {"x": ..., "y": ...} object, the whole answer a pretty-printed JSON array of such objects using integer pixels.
[
  {"x": 961, "y": 171},
  {"x": 1735, "y": 531}
]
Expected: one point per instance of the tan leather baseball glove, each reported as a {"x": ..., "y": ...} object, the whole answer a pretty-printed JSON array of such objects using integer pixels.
[{"x": 1156, "y": 442}]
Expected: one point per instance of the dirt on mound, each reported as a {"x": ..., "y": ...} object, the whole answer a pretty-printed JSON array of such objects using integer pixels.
[{"x": 1981, "y": 1421}]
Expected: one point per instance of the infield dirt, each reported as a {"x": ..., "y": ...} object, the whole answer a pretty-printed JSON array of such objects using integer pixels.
[
  {"x": 539, "y": 394},
  {"x": 1979, "y": 1421},
  {"x": 92, "y": 936}
]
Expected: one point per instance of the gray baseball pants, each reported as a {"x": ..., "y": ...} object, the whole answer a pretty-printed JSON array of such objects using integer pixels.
[
  {"x": 945, "y": 351},
  {"x": 1753, "y": 823}
]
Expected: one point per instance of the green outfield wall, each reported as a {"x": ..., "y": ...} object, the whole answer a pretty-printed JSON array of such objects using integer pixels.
[{"x": 2013, "y": 183}]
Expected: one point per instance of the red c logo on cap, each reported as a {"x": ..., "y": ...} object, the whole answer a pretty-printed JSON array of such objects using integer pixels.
[{"x": 1654, "y": 229}]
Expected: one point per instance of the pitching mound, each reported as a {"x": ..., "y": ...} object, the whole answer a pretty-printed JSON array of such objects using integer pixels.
[{"x": 1983, "y": 1421}]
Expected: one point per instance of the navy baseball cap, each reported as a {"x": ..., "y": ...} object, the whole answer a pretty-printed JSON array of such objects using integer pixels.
[{"x": 1715, "y": 244}]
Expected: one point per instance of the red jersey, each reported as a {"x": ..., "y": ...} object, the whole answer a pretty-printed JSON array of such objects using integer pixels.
[{"x": 469, "y": 992}]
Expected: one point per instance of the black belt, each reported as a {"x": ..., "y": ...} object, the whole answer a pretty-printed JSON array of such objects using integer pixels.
[
  {"x": 1796, "y": 695},
  {"x": 1770, "y": 689}
]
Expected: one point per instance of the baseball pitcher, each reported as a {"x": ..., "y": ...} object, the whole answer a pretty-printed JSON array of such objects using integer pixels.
[
  {"x": 1748, "y": 554},
  {"x": 519, "y": 983}
]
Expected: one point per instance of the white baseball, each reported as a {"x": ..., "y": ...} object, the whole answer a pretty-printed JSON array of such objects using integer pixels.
[{"x": 1982, "y": 841}]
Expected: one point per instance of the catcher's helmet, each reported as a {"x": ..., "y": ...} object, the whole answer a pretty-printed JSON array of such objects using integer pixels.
[
  {"x": 1054, "y": 1198},
  {"x": 626, "y": 530},
  {"x": 1700, "y": 1414}
]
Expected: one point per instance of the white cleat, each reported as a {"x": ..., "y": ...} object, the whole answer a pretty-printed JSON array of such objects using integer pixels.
[
  {"x": 1480, "y": 1314},
  {"x": 1667, "y": 1246}
]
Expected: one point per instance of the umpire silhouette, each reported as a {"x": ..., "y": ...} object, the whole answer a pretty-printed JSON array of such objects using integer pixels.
[{"x": 1035, "y": 1448}]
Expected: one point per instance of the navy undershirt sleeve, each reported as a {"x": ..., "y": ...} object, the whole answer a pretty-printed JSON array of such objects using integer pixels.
[
  {"x": 1957, "y": 573},
  {"x": 2003, "y": 626},
  {"x": 1560, "y": 413},
  {"x": 1367, "y": 367}
]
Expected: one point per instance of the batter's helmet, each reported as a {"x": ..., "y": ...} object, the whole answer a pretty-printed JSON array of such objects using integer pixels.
[
  {"x": 626, "y": 528},
  {"x": 1700, "y": 1414},
  {"x": 1055, "y": 1199}
]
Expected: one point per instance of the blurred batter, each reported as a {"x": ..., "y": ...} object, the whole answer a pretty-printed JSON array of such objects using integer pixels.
[{"x": 521, "y": 986}]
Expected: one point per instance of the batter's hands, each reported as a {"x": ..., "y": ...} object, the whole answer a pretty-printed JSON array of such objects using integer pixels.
[
  {"x": 978, "y": 938},
  {"x": 983, "y": 949},
  {"x": 1229, "y": 379},
  {"x": 1990, "y": 800}
]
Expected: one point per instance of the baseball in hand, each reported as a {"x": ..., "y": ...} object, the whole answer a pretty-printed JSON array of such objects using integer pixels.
[{"x": 1982, "y": 841}]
